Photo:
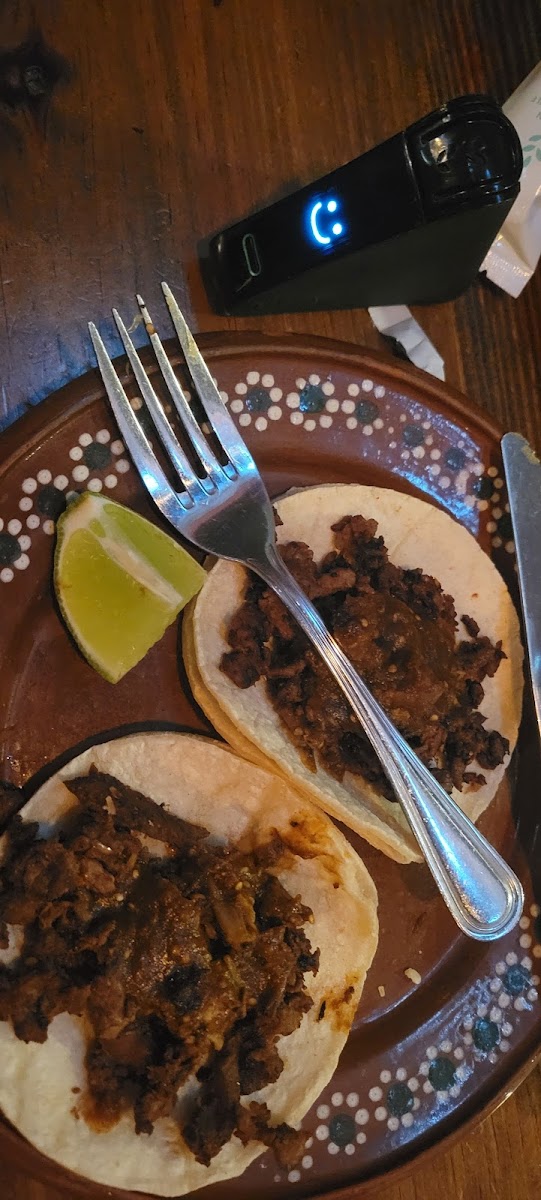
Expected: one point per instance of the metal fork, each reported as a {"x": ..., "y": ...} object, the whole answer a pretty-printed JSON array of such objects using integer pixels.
[{"x": 226, "y": 512}]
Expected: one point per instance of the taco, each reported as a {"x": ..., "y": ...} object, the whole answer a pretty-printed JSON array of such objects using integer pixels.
[
  {"x": 185, "y": 944},
  {"x": 421, "y": 611}
]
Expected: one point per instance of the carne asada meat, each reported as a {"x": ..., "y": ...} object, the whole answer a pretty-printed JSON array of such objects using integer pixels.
[
  {"x": 185, "y": 958},
  {"x": 399, "y": 629}
]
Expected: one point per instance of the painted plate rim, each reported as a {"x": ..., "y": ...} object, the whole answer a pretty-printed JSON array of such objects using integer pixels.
[{"x": 24, "y": 436}]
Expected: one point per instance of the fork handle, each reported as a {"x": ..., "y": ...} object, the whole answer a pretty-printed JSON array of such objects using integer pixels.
[{"x": 483, "y": 894}]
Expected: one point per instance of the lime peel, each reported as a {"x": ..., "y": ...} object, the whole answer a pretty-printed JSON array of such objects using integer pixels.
[{"x": 120, "y": 582}]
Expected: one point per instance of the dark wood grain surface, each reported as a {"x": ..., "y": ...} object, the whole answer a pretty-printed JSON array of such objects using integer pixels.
[{"x": 129, "y": 129}]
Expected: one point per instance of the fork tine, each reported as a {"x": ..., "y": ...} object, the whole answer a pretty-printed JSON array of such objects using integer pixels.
[
  {"x": 134, "y": 436},
  {"x": 199, "y": 441},
  {"x": 222, "y": 424},
  {"x": 157, "y": 412}
]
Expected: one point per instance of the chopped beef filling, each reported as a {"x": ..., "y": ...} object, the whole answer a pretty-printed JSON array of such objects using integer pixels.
[
  {"x": 185, "y": 958},
  {"x": 399, "y": 629}
]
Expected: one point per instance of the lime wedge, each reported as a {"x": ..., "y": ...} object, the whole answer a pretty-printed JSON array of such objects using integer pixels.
[{"x": 119, "y": 582}]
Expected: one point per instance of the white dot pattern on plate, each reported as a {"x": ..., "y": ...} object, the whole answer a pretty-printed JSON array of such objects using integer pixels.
[
  {"x": 445, "y": 1059},
  {"x": 360, "y": 401}
]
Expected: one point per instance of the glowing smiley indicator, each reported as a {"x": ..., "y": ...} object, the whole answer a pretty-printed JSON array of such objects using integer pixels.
[{"x": 323, "y": 230}]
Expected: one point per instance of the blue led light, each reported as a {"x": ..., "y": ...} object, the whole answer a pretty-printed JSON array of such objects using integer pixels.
[
  {"x": 323, "y": 241},
  {"x": 321, "y": 230}
]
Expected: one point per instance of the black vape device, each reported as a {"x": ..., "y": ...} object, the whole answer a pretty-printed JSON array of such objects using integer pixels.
[{"x": 409, "y": 222}]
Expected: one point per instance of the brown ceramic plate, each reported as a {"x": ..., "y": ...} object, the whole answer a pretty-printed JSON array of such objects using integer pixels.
[{"x": 422, "y": 1062}]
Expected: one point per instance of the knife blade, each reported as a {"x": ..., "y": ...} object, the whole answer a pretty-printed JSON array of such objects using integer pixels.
[{"x": 523, "y": 474}]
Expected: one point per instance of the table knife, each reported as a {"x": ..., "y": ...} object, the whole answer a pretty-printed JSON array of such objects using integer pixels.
[{"x": 523, "y": 474}]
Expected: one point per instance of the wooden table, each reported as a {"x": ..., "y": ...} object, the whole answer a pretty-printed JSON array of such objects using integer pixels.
[{"x": 131, "y": 128}]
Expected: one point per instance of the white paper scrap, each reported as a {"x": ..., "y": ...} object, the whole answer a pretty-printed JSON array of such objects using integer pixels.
[
  {"x": 396, "y": 321},
  {"x": 514, "y": 255}
]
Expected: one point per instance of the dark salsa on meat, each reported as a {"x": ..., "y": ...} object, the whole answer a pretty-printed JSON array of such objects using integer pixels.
[
  {"x": 399, "y": 629},
  {"x": 191, "y": 963}
]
